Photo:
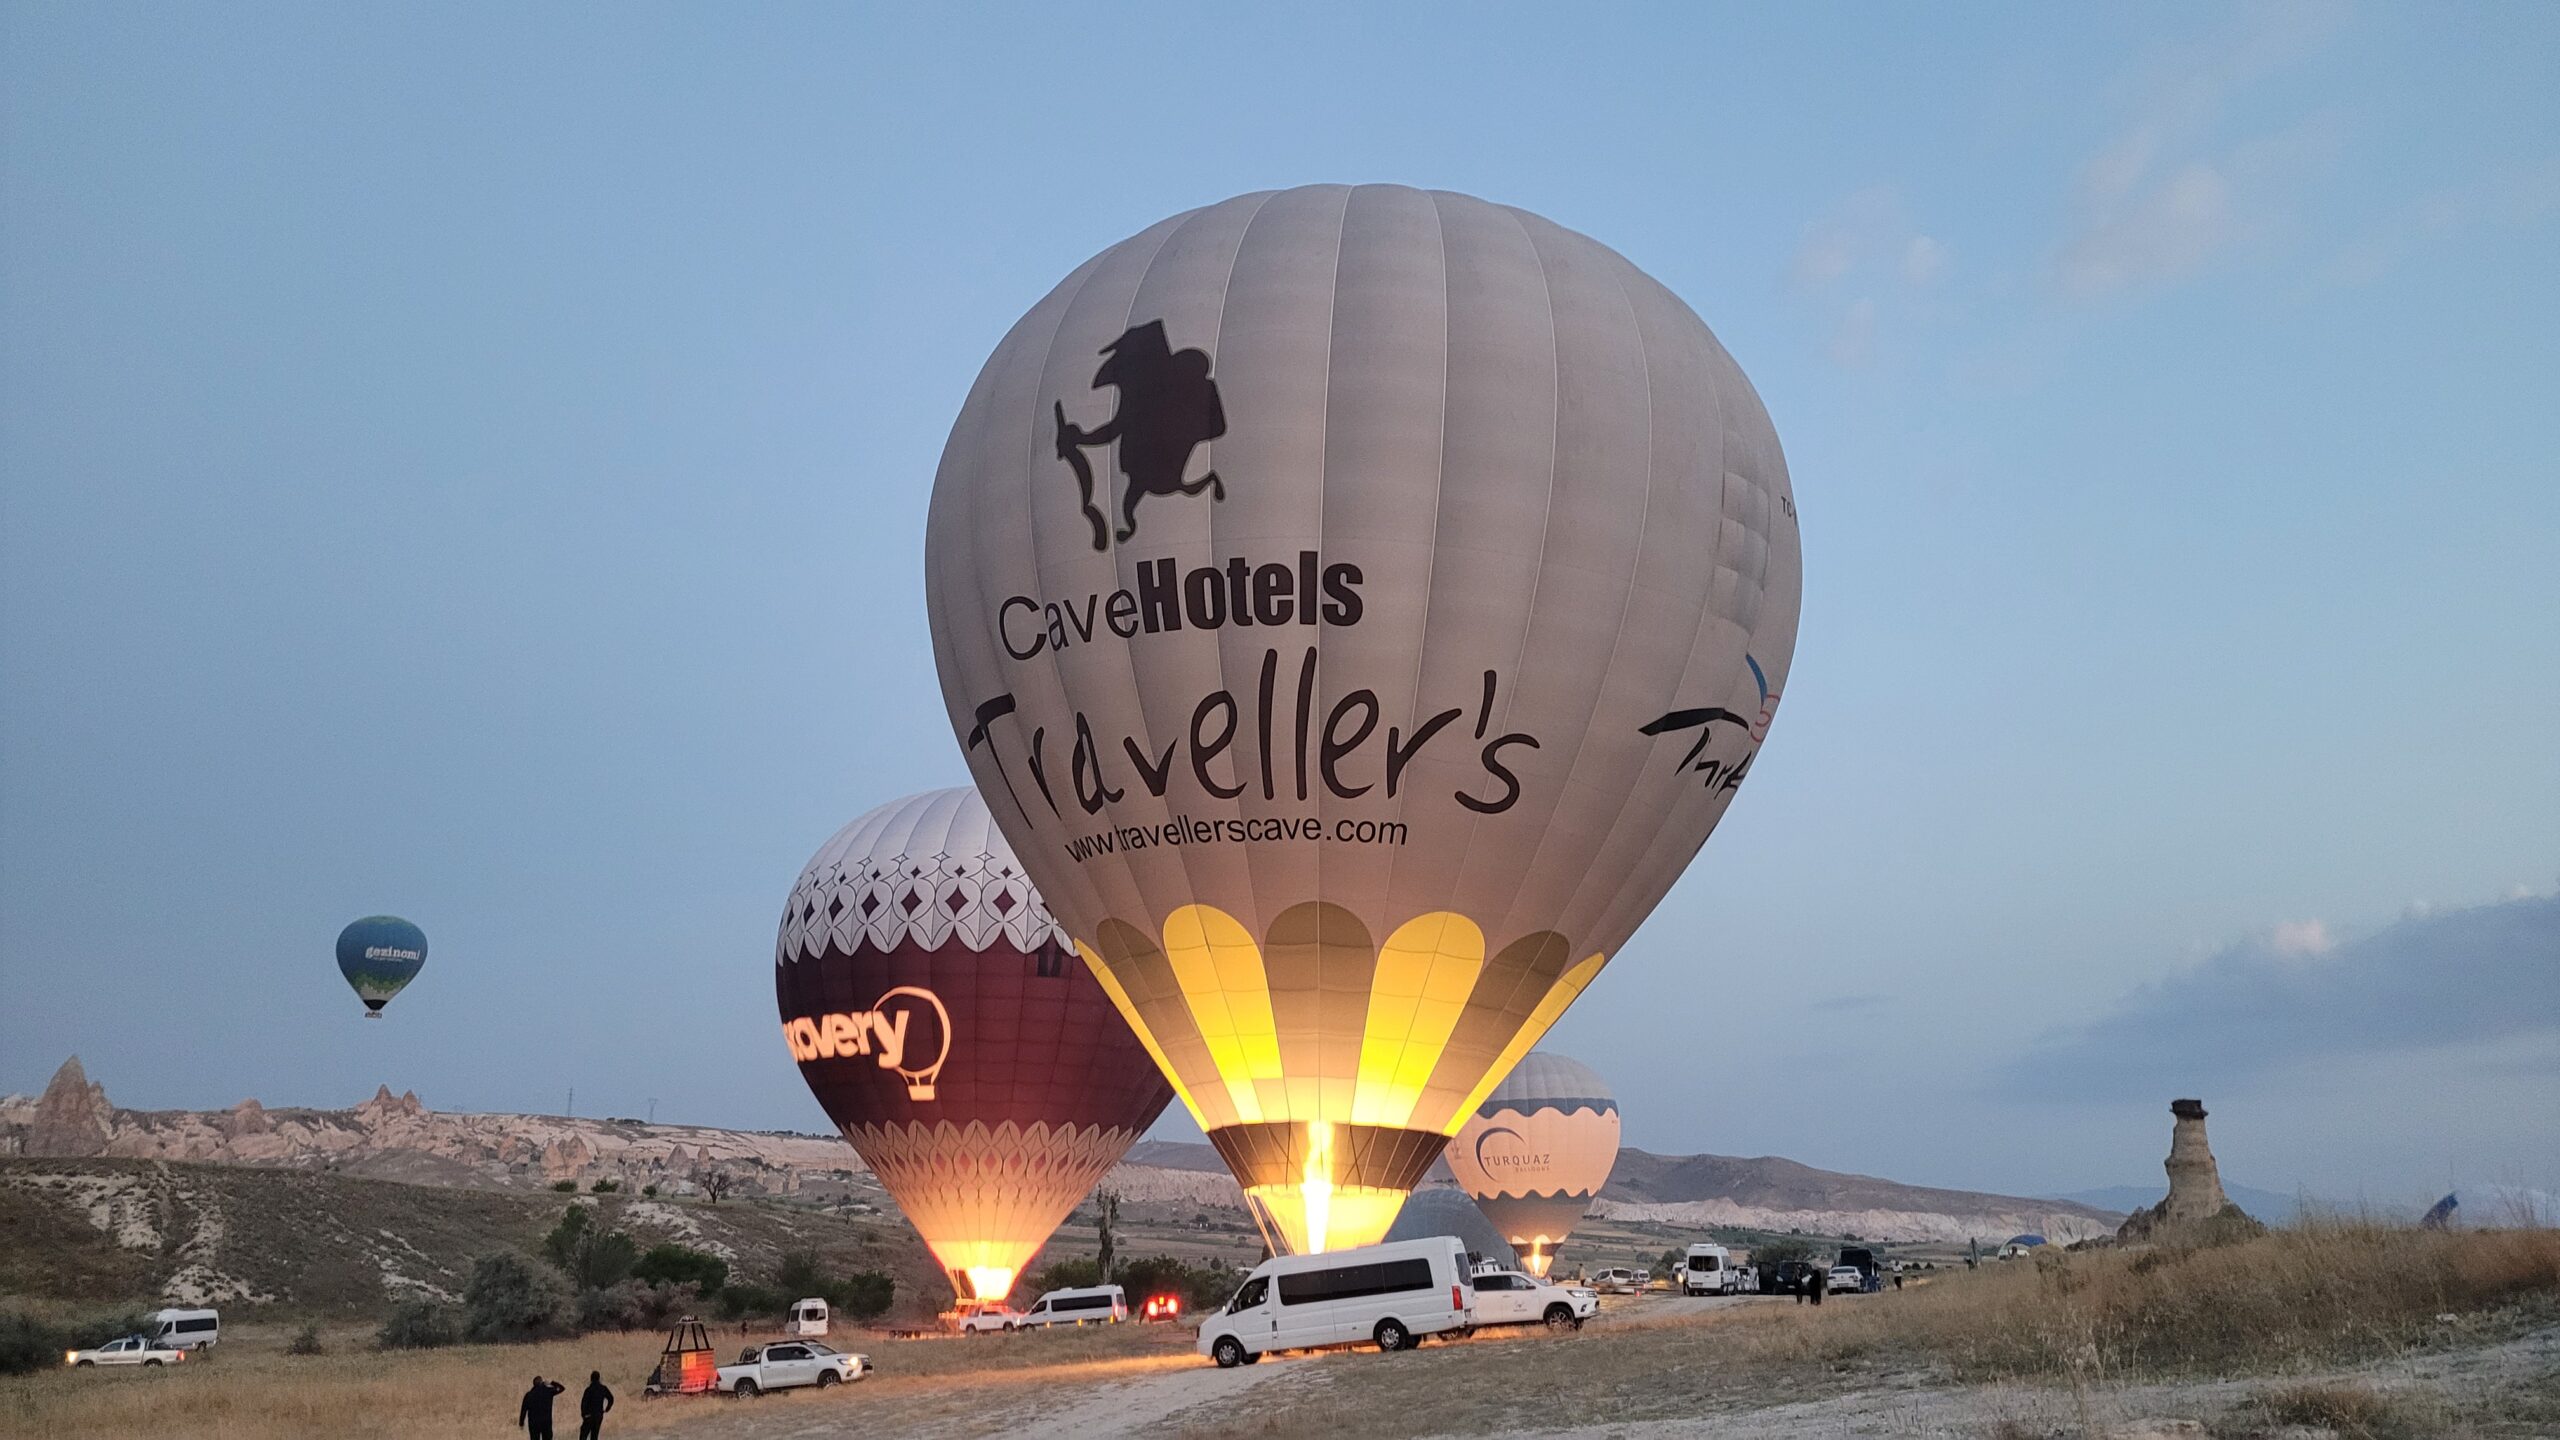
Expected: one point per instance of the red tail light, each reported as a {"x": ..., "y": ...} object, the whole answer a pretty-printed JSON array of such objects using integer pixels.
[{"x": 1454, "y": 1302}]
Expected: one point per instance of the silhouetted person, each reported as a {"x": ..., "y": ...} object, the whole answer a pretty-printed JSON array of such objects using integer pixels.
[
  {"x": 1169, "y": 407},
  {"x": 534, "y": 1411},
  {"x": 592, "y": 1403},
  {"x": 1821, "y": 1281}
]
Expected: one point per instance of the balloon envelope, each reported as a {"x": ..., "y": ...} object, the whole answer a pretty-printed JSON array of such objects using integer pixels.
[
  {"x": 380, "y": 955},
  {"x": 943, "y": 1020},
  {"x": 1536, "y": 1152},
  {"x": 1358, "y": 605}
]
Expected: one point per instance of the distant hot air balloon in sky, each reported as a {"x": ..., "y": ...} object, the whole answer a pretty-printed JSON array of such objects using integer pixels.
[
  {"x": 1357, "y": 605},
  {"x": 1536, "y": 1151},
  {"x": 380, "y": 955},
  {"x": 943, "y": 1020}
]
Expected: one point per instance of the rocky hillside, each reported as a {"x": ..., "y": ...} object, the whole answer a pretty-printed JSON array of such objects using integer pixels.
[
  {"x": 145, "y": 1231},
  {"x": 398, "y": 1138}
]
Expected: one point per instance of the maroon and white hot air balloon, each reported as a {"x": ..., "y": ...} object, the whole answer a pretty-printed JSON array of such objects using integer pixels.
[{"x": 951, "y": 1032}]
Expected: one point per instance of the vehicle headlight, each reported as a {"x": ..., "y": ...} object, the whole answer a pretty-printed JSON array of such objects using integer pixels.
[{"x": 70, "y": 1357}]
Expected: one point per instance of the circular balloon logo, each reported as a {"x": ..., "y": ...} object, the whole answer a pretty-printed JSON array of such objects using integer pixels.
[{"x": 1357, "y": 605}]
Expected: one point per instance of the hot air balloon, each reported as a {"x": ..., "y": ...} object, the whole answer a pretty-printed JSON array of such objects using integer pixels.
[
  {"x": 943, "y": 1020},
  {"x": 1357, "y": 605},
  {"x": 1537, "y": 1149},
  {"x": 380, "y": 955}
]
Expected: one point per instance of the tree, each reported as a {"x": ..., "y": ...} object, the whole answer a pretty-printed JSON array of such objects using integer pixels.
[
  {"x": 861, "y": 1294},
  {"x": 1770, "y": 1254},
  {"x": 673, "y": 1264},
  {"x": 716, "y": 1185},
  {"x": 510, "y": 1298},
  {"x": 593, "y": 1257},
  {"x": 1107, "y": 1209},
  {"x": 605, "y": 1187}
]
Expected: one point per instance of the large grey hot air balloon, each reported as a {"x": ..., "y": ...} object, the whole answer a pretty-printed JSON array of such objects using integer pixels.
[{"x": 1357, "y": 605}]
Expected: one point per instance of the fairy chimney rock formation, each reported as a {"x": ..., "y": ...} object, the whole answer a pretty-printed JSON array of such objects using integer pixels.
[
  {"x": 2195, "y": 1184},
  {"x": 71, "y": 1116}
]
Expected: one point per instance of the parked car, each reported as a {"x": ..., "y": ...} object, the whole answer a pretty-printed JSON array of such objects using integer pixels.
[
  {"x": 1084, "y": 1305},
  {"x": 788, "y": 1365},
  {"x": 978, "y": 1317},
  {"x": 186, "y": 1329},
  {"x": 129, "y": 1350},
  {"x": 1845, "y": 1280},
  {"x": 1392, "y": 1294},
  {"x": 1509, "y": 1297},
  {"x": 1793, "y": 1277},
  {"x": 1619, "y": 1280}
]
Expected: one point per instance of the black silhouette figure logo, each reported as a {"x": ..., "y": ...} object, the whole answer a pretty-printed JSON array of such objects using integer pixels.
[{"x": 1168, "y": 408}]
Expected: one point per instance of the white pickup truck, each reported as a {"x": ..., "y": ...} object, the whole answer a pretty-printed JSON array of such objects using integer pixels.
[
  {"x": 788, "y": 1365},
  {"x": 1508, "y": 1297},
  {"x": 131, "y": 1350}
]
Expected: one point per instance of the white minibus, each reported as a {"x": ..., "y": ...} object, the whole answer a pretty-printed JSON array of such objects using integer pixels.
[
  {"x": 1710, "y": 1271},
  {"x": 1087, "y": 1305},
  {"x": 1392, "y": 1294},
  {"x": 808, "y": 1319},
  {"x": 186, "y": 1329}
]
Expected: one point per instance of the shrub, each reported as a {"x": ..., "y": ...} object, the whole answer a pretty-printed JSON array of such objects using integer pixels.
[
  {"x": 1201, "y": 1287},
  {"x": 418, "y": 1325},
  {"x": 593, "y": 1257},
  {"x": 510, "y": 1298},
  {"x": 29, "y": 1344},
  {"x": 605, "y": 1187},
  {"x": 673, "y": 1264},
  {"x": 306, "y": 1341},
  {"x": 1067, "y": 1274},
  {"x": 2353, "y": 1412},
  {"x": 739, "y": 1301},
  {"x": 861, "y": 1295},
  {"x": 565, "y": 1187},
  {"x": 649, "y": 1190}
]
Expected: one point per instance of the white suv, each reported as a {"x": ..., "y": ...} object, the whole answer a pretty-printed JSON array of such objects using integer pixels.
[{"x": 1508, "y": 1297}]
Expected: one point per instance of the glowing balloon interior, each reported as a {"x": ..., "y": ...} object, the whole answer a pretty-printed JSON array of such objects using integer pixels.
[
  {"x": 380, "y": 955},
  {"x": 1357, "y": 604},
  {"x": 1536, "y": 1152},
  {"x": 939, "y": 1015}
]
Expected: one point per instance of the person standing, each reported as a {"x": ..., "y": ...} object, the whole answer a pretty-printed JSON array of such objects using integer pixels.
[
  {"x": 533, "y": 1412},
  {"x": 1821, "y": 1281},
  {"x": 592, "y": 1403}
]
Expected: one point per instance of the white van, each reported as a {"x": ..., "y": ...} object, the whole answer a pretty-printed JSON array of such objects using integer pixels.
[
  {"x": 1088, "y": 1305},
  {"x": 808, "y": 1319},
  {"x": 1710, "y": 1271},
  {"x": 186, "y": 1329},
  {"x": 1391, "y": 1294}
]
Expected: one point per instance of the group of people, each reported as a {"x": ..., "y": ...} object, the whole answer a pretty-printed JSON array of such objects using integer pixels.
[{"x": 533, "y": 1412}]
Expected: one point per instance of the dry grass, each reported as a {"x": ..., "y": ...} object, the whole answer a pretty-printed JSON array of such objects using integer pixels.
[
  {"x": 2089, "y": 1323},
  {"x": 2283, "y": 1304},
  {"x": 2352, "y": 1412},
  {"x": 250, "y": 1388}
]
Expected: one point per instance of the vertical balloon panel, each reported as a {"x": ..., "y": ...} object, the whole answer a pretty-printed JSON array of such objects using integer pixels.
[{"x": 1358, "y": 605}]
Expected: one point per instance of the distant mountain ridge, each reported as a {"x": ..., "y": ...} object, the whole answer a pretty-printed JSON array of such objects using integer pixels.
[{"x": 399, "y": 1138}]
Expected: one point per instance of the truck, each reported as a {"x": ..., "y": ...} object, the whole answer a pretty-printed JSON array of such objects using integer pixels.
[{"x": 788, "y": 1365}]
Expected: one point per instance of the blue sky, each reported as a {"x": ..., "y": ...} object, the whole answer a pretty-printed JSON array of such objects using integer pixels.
[{"x": 471, "y": 462}]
